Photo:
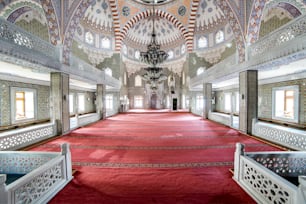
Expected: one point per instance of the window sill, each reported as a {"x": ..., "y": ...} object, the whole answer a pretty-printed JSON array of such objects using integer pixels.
[
  {"x": 23, "y": 124},
  {"x": 284, "y": 123}
]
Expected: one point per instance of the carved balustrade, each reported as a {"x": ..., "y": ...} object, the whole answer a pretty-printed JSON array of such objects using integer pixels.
[
  {"x": 45, "y": 174},
  {"x": 285, "y": 136},
  {"x": 18, "y": 43},
  {"x": 19, "y": 138},
  {"x": 262, "y": 175},
  {"x": 294, "y": 29}
]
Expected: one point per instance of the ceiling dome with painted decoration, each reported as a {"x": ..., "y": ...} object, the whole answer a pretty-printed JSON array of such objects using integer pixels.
[{"x": 127, "y": 26}]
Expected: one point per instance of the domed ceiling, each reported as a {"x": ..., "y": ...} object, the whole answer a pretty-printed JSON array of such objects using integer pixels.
[
  {"x": 153, "y": 1},
  {"x": 166, "y": 32},
  {"x": 134, "y": 20}
]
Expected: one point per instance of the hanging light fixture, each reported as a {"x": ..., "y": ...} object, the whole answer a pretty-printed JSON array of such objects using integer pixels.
[
  {"x": 154, "y": 74},
  {"x": 154, "y": 55}
]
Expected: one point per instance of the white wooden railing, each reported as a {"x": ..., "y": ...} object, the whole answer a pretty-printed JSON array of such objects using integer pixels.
[
  {"x": 262, "y": 175},
  {"x": 46, "y": 174},
  {"x": 19, "y": 138}
]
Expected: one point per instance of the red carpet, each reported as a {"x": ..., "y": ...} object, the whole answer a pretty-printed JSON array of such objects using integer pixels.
[{"x": 153, "y": 158}]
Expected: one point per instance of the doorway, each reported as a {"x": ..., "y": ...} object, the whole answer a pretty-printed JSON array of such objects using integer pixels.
[
  {"x": 153, "y": 103},
  {"x": 174, "y": 104}
]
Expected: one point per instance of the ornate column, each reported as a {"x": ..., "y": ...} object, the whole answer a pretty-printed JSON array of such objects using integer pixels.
[
  {"x": 207, "y": 96},
  {"x": 100, "y": 100},
  {"x": 59, "y": 101},
  {"x": 248, "y": 99}
]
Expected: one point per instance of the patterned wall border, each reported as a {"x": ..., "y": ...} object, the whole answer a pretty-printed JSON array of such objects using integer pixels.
[
  {"x": 254, "y": 21},
  {"x": 52, "y": 21},
  {"x": 235, "y": 26},
  {"x": 146, "y": 14}
]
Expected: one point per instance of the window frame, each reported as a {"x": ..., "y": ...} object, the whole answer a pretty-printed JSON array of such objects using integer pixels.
[
  {"x": 296, "y": 103},
  {"x": 13, "y": 91},
  {"x": 228, "y": 105},
  {"x": 200, "y": 70},
  {"x": 199, "y": 101},
  {"x": 89, "y": 38},
  {"x": 108, "y": 71},
  {"x": 138, "y": 81},
  {"x": 140, "y": 99},
  {"x": 84, "y": 103},
  {"x": 202, "y": 42},
  {"x": 219, "y": 34},
  {"x": 237, "y": 102},
  {"x": 71, "y": 104},
  {"x": 106, "y": 43},
  {"x": 109, "y": 101}
]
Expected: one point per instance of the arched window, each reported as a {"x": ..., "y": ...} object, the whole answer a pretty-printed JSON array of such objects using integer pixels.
[
  {"x": 138, "y": 80},
  {"x": 183, "y": 49},
  {"x": 89, "y": 38},
  {"x": 124, "y": 49},
  {"x": 202, "y": 42},
  {"x": 219, "y": 36},
  {"x": 108, "y": 71},
  {"x": 170, "y": 53},
  {"x": 200, "y": 70},
  {"x": 137, "y": 54},
  {"x": 105, "y": 43}
]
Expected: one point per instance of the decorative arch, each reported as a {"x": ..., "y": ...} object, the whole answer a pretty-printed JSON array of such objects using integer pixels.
[
  {"x": 17, "y": 8},
  {"x": 235, "y": 26},
  {"x": 146, "y": 14},
  {"x": 72, "y": 25},
  {"x": 116, "y": 23},
  {"x": 257, "y": 12},
  {"x": 192, "y": 23},
  {"x": 52, "y": 21}
]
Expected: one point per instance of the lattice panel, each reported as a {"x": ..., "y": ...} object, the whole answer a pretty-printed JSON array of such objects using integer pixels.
[
  {"x": 11, "y": 141},
  {"x": 286, "y": 34},
  {"x": 286, "y": 138},
  {"x": 270, "y": 190},
  {"x": 32, "y": 191},
  {"x": 284, "y": 165},
  {"x": 13, "y": 34},
  {"x": 19, "y": 163}
]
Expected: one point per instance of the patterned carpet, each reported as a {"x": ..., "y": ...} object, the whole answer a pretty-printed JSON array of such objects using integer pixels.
[{"x": 158, "y": 157}]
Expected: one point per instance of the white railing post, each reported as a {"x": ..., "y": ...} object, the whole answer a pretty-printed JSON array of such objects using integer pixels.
[
  {"x": 3, "y": 191},
  {"x": 239, "y": 151},
  {"x": 66, "y": 152},
  {"x": 302, "y": 190}
]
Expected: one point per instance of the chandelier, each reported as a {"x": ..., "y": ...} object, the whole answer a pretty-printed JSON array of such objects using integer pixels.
[
  {"x": 154, "y": 55},
  {"x": 154, "y": 76}
]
